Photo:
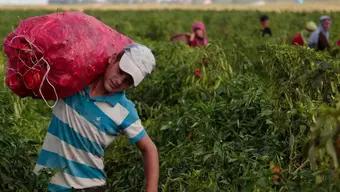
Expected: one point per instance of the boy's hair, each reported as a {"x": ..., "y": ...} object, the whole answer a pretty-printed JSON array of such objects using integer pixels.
[{"x": 264, "y": 18}]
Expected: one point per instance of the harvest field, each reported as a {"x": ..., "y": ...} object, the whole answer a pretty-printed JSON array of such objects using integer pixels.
[{"x": 262, "y": 115}]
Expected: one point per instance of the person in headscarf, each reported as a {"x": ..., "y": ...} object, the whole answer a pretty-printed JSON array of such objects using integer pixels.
[
  {"x": 319, "y": 39},
  {"x": 198, "y": 36},
  {"x": 265, "y": 29},
  {"x": 301, "y": 38}
]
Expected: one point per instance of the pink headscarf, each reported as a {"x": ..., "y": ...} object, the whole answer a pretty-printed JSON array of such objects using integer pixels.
[
  {"x": 197, "y": 41},
  {"x": 198, "y": 25}
]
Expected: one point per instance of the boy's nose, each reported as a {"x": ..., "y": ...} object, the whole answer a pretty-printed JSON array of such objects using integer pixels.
[{"x": 118, "y": 81}]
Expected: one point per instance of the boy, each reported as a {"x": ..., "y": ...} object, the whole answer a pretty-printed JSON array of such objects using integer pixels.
[
  {"x": 265, "y": 30},
  {"x": 84, "y": 124}
]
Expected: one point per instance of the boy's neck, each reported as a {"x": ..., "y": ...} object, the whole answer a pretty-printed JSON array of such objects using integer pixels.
[{"x": 97, "y": 88}]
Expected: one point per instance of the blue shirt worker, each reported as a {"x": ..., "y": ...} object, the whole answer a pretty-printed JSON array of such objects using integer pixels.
[
  {"x": 84, "y": 124},
  {"x": 319, "y": 39}
]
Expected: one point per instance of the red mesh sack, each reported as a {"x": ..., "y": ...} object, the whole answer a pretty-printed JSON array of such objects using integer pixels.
[{"x": 54, "y": 56}]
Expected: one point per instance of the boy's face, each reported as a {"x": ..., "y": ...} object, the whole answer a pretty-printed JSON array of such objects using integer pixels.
[
  {"x": 326, "y": 24},
  {"x": 115, "y": 79},
  {"x": 265, "y": 23}
]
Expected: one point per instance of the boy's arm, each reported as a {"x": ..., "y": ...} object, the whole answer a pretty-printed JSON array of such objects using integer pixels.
[{"x": 151, "y": 163}]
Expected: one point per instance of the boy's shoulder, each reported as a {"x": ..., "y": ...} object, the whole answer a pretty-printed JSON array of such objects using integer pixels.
[
  {"x": 128, "y": 104},
  {"x": 121, "y": 99}
]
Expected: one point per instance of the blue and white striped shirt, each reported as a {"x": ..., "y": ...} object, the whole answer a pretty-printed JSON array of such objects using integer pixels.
[{"x": 80, "y": 129}]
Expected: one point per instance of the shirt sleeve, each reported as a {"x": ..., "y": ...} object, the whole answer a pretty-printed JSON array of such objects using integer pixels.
[
  {"x": 132, "y": 126},
  {"x": 313, "y": 40}
]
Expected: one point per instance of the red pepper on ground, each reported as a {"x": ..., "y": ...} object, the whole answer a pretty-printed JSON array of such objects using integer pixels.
[{"x": 198, "y": 72}]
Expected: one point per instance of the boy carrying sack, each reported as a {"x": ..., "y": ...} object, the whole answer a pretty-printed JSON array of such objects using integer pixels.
[
  {"x": 87, "y": 84},
  {"x": 85, "y": 123}
]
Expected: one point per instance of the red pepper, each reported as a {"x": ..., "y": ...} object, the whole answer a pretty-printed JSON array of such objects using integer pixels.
[
  {"x": 32, "y": 79},
  {"x": 198, "y": 72},
  {"x": 14, "y": 82}
]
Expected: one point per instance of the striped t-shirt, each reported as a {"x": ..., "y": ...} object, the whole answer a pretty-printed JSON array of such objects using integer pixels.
[{"x": 80, "y": 129}]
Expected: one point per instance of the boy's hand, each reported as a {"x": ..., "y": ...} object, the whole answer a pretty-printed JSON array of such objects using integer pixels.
[{"x": 151, "y": 163}]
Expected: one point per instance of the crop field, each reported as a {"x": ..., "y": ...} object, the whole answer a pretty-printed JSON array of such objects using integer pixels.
[{"x": 262, "y": 115}]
